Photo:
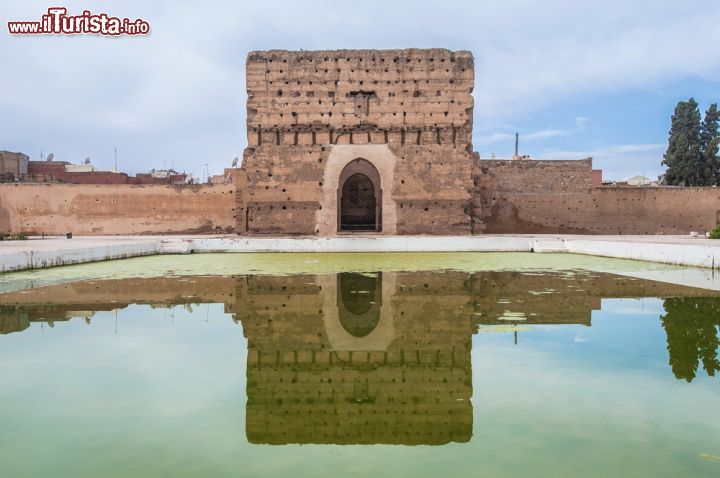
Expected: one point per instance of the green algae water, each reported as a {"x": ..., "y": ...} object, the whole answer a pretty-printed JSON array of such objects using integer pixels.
[{"x": 360, "y": 365}]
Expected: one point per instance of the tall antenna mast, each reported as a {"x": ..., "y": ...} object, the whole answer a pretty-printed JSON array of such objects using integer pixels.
[
  {"x": 517, "y": 141},
  {"x": 116, "y": 169}
]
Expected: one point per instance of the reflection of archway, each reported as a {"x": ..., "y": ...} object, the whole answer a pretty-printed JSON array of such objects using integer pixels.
[
  {"x": 341, "y": 320},
  {"x": 359, "y": 197},
  {"x": 359, "y": 299}
]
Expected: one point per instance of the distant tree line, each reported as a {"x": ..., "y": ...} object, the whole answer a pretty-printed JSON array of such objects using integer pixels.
[{"x": 692, "y": 154}]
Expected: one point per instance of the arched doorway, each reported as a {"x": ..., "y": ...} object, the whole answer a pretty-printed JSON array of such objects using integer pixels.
[
  {"x": 359, "y": 198},
  {"x": 359, "y": 299}
]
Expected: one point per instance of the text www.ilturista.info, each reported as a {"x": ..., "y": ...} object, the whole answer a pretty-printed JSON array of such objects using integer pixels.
[{"x": 58, "y": 22}]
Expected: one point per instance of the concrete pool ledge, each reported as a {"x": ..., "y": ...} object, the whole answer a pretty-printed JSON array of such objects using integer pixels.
[{"x": 37, "y": 253}]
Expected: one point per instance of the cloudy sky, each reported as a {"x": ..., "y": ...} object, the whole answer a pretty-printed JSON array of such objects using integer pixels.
[{"x": 574, "y": 78}]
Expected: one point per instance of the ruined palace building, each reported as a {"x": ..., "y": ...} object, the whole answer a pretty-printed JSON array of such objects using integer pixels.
[{"x": 369, "y": 141}]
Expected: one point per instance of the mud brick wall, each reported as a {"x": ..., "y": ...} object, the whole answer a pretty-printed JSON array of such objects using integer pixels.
[
  {"x": 408, "y": 112},
  {"x": 57, "y": 209},
  {"x": 535, "y": 196},
  {"x": 641, "y": 210}
]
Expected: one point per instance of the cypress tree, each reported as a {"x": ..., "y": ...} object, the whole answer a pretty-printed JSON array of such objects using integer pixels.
[
  {"x": 683, "y": 153},
  {"x": 709, "y": 142}
]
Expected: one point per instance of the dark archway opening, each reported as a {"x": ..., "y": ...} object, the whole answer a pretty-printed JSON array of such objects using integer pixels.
[
  {"x": 358, "y": 205},
  {"x": 359, "y": 302}
]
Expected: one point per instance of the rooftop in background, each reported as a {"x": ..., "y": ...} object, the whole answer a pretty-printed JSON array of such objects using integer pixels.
[{"x": 16, "y": 167}]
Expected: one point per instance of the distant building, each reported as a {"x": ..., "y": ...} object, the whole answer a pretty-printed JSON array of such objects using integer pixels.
[
  {"x": 64, "y": 172},
  {"x": 79, "y": 168},
  {"x": 12, "y": 165},
  {"x": 161, "y": 176},
  {"x": 637, "y": 181}
]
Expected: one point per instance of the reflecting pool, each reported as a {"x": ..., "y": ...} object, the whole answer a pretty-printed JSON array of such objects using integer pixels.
[{"x": 360, "y": 373}]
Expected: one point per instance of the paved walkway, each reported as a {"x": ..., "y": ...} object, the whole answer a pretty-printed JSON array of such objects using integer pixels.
[{"x": 37, "y": 253}]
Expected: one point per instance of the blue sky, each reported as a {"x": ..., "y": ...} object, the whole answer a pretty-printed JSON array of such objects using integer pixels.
[{"x": 575, "y": 78}]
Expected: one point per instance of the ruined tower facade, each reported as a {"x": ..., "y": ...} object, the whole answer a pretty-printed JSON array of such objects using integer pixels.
[{"x": 358, "y": 141}]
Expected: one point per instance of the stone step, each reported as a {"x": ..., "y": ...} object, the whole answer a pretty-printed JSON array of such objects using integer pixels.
[{"x": 175, "y": 246}]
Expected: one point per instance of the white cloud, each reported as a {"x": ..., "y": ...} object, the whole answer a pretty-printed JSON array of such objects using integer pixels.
[
  {"x": 618, "y": 161},
  {"x": 545, "y": 134},
  {"x": 179, "y": 94},
  {"x": 581, "y": 121},
  {"x": 537, "y": 135},
  {"x": 492, "y": 138}
]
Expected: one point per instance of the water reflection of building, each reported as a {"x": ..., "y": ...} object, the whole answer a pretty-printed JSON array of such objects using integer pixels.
[
  {"x": 357, "y": 359},
  {"x": 377, "y": 358}
]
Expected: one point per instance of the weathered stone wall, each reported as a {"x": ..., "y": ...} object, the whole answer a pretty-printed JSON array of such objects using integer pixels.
[
  {"x": 13, "y": 164},
  {"x": 533, "y": 196},
  {"x": 311, "y": 113},
  {"x": 116, "y": 209}
]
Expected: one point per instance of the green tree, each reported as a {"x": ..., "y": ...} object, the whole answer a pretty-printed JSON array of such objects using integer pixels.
[
  {"x": 709, "y": 142},
  {"x": 683, "y": 153}
]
